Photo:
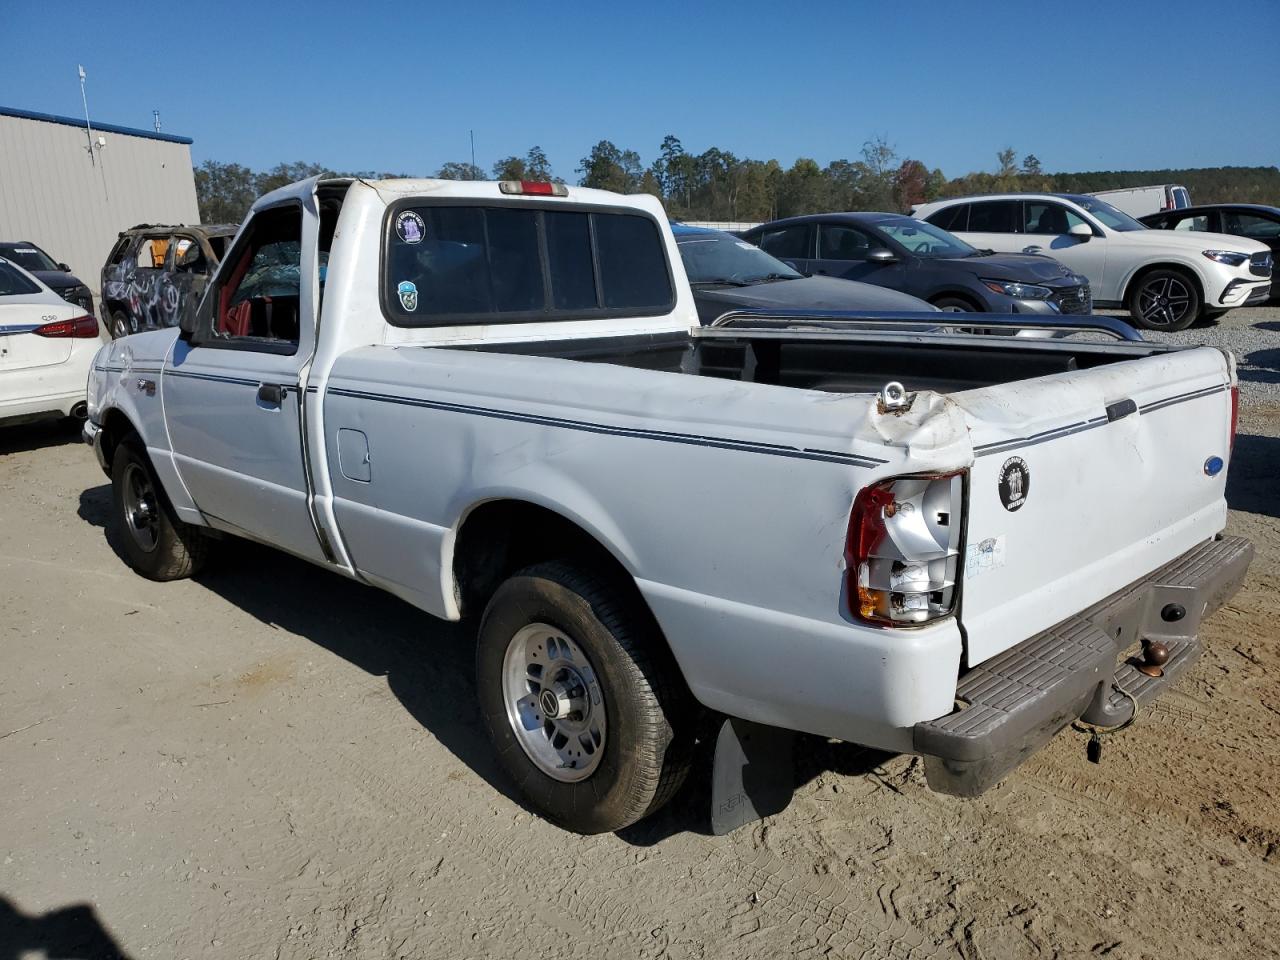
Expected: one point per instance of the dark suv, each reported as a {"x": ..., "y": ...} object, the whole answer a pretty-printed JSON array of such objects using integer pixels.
[
  {"x": 915, "y": 257},
  {"x": 155, "y": 273},
  {"x": 54, "y": 275}
]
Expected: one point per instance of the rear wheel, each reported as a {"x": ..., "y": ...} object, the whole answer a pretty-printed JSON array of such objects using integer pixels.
[
  {"x": 1164, "y": 300},
  {"x": 587, "y": 711},
  {"x": 155, "y": 542}
]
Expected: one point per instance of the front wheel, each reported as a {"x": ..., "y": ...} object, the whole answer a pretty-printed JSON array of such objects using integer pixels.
[
  {"x": 953, "y": 305},
  {"x": 583, "y": 703},
  {"x": 1164, "y": 300},
  {"x": 155, "y": 542},
  {"x": 120, "y": 325}
]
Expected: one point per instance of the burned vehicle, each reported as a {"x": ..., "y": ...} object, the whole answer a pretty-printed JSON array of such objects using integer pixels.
[{"x": 155, "y": 273}]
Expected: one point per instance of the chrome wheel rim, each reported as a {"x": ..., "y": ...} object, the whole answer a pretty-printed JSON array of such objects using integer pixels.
[
  {"x": 141, "y": 511},
  {"x": 1164, "y": 302},
  {"x": 554, "y": 702},
  {"x": 951, "y": 308}
]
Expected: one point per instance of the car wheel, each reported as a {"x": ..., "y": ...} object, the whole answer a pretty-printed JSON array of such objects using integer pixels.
[
  {"x": 155, "y": 542},
  {"x": 585, "y": 706},
  {"x": 120, "y": 326},
  {"x": 1164, "y": 300},
  {"x": 953, "y": 305}
]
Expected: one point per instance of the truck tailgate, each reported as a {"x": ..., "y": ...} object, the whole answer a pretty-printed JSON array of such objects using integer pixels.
[{"x": 1085, "y": 481}]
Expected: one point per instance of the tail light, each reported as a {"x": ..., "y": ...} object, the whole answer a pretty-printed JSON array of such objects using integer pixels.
[
  {"x": 1235, "y": 418},
  {"x": 903, "y": 551},
  {"x": 79, "y": 328}
]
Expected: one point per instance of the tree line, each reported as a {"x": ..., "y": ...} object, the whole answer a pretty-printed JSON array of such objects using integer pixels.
[{"x": 717, "y": 185}]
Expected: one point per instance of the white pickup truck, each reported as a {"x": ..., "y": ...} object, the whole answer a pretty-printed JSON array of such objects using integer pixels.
[{"x": 496, "y": 401}]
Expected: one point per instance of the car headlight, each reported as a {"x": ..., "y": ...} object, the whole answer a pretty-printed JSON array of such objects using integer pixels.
[
  {"x": 1229, "y": 257},
  {"x": 1020, "y": 291}
]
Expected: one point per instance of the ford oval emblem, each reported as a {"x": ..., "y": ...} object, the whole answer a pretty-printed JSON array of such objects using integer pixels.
[{"x": 1213, "y": 466}]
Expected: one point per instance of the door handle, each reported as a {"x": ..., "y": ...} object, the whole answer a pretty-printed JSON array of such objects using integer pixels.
[
  {"x": 1032, "y": 249},
  {"x": 270, "y": 394}
]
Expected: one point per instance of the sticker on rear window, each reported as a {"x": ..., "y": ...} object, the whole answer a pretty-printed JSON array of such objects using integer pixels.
[
  {"x": 410, "y": 227},
  {"x": 408, "y": 291}
]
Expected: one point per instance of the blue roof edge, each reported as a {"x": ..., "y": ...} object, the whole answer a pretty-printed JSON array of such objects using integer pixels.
[{"x": 104, "y": 127}]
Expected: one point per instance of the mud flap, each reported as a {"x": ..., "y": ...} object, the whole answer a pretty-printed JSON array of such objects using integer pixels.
[{"x": 752, "y": 775}]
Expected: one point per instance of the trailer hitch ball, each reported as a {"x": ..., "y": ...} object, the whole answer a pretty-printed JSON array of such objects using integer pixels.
[{"x": 1155, "y": 656}]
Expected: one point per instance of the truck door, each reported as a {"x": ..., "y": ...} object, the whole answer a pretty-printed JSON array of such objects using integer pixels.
[{"x": 232, "y": 388}]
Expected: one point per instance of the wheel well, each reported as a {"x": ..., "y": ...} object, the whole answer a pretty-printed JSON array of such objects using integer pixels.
[
  {"x": 502, "y": 536},
  {"x": 957, "y": 295},
  {"x": 1177, "y": 268},
  {"x": 115, "y": 427}
]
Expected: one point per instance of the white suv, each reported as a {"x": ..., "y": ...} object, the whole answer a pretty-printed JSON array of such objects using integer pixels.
[{"x": 1164, "y": 279}]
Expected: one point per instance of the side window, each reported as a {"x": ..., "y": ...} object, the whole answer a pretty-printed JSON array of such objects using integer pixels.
[
  {"x": 1050, "y": 218},
  {"x": 1248, "y": 225},
  {"x": 120, "y": 251},
  {"x": 840, "y": 242},
  {"x": 993, "y": 216},
  {"x": 257, "y": 300},
  {"x": 1199, "y": 224},
  {"x": 151, "y": 253},
  {"x": 789, "y": 243},
  {"x": 951, "y": 218},
  {"x": 188, "y": 257}
]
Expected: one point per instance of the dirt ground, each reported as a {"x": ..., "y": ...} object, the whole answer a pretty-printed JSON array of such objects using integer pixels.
[{"x": 274, "y": 762}]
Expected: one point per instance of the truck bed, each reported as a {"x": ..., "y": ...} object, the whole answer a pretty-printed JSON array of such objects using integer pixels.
[{"x": 841, "y": 360}]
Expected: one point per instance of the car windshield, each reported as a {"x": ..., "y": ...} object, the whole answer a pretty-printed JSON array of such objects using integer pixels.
[
  {"x": 715, "y": 257},
  {"x": 924, "y": 239},
  {"x": 13, "y": 283},
  {"x": 28, "y": 258},
  {"x": 1109, "y": 215}
]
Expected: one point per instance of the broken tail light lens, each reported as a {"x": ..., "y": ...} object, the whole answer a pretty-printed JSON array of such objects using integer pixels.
[
  {"x": 80, "y": 328},
  {"x": 902, "y": 555}
]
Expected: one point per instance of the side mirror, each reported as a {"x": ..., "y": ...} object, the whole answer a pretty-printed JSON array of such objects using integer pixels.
[
  {"x": 881, "y": 255},
  {"x": 64, "y": 268},
  {"x": 1081, "y": 231}
]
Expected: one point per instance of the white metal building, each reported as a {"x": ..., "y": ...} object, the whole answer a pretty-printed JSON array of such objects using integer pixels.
[{"x": 73, "y": 201}]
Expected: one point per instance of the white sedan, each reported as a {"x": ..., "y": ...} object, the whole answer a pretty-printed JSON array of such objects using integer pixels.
[{"x": 47, "y": 346}]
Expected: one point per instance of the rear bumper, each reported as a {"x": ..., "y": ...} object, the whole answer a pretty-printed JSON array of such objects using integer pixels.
[{"x": 1016, "y": 701}]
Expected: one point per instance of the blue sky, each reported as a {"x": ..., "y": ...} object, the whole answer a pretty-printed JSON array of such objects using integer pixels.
[{"x": 1084, "y": 85}]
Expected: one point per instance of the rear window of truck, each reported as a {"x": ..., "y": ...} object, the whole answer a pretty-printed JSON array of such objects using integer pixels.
[{"x": 469, "y": 263}]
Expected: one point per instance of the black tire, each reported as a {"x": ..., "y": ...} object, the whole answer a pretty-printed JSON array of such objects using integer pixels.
[
  {"x": 120, "y": 326},
  {"x": 954, "y": 305},
  {"x": 1163, "y": 300},
  {"x": 174, "y": 549},
  {"x": 647, "y": 747}
]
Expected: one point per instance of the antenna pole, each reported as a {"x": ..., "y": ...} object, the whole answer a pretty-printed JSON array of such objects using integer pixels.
[
  {"x": 87, "y": 125},
  {"x": 156, "y": 116},
  {"x": 473, "y": 152}
]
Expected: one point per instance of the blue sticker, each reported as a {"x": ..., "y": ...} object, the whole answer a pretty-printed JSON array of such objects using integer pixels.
[{"x": 408, "y": 292}]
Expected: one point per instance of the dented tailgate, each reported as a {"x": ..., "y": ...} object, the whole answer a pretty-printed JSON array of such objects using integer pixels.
[{"x": 1083, "y": 482}]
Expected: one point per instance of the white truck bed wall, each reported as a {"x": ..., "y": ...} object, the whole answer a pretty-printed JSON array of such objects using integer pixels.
[{"x": 729, "y": 502}]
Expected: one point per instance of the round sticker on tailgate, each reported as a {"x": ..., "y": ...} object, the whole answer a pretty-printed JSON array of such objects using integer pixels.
[{"x": 1015, "y": 483}]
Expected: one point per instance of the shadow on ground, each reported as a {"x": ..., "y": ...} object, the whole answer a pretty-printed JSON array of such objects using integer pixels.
[
  {"x": 1251, "y": 480},
  {"x": 70, "y": 933},
  {"x": 35, "y": 436},
  {"x": 429, "y": 665},
  {"x": 1261, "y": 366}
]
